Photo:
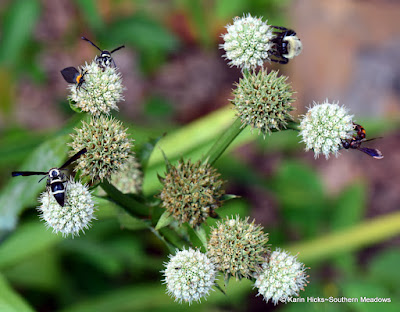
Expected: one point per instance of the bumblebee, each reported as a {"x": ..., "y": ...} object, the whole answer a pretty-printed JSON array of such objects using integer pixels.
[{"x": 286, "y": 45}]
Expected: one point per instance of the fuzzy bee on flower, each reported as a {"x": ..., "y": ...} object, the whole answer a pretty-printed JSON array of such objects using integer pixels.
[{"x": 250, "y": 41}]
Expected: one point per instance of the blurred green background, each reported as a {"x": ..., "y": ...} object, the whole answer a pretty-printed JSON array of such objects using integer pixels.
[{"x": 342, "y": 215}]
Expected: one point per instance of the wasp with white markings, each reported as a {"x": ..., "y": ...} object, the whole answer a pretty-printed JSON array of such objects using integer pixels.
[
  {"x": 55, "y": 177},
  {"x": 104, "y": 59}
]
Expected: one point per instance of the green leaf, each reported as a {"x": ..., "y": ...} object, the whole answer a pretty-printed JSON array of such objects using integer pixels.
[
  {"x": 384, "y": 268},
  {"x": 90, "y": 11},
  {"x": 29, "y": 239},
  {"x": 10, "y": 300},
  {"x": 18, "y": 25},
  {"x": 146, "y": 151},
  {"x": 225, "y": 9},
  {"x": 72, "y": 105},
  {"x": 301, "y": 195},
  {"x": 21, "y": 192},
  {"x": 227, "y": 197},
  {"x": 143, "y": 33},
  {"x": 41, "y": 271},
  {"x": 164, "y": 220}
]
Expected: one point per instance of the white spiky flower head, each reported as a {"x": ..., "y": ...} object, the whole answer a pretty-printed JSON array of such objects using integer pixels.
[
  {"x": 189, "y": 276},
  {"x": 281, "y": 278},
  {"x": 247, "y": 42},
  {"x": 75, "y": 216},
  {"x": 100, "y": 92},
  {"x": 324, "y": 126}
]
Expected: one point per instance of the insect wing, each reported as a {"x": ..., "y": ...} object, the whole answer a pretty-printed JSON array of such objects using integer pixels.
[
  {"x": 371, "y": 152},
  {"x": 70, "y": 74},
  {"x": 73, "y": 158},
  {"x": 27, "y": 173}
]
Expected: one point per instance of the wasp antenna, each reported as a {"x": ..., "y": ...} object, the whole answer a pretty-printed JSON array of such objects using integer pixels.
[
  {"x": 41, "y": 179},
  {"x": 86, "y": 39},
  {"x": 116, "y": 49}
]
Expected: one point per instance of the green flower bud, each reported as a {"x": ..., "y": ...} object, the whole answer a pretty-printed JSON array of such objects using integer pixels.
[
  {"x": 263, "y": 101},
  {"x": 129, "y": 178},
  {"x": 108, "y": 147},
  {"x": 237, "y": 247},
  {"x": 191, "y": 192}
]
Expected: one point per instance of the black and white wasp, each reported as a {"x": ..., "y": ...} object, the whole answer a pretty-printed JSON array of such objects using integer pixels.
[
  {"x": 104, "y": 59},
  {"x": 55, "y": 177}
]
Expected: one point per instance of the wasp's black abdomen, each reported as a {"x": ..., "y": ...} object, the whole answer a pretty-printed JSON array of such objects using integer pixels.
[{"x": 58, "y": 191}]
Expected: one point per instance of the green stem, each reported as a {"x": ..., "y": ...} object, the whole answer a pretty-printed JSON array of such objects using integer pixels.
[
  {"x": 127, "y": 202},
  {"x": 361, "y": 235},
  {"x": 292, "y": 125},
  {"x": 223, "y": 141}
]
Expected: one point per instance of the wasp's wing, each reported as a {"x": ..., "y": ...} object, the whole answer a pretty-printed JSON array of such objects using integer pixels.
[
  {"x": 371, "y": 152},
  {"x": 73, "y": 158},
  {"x": 70, "y": 74},
  {"x": 27, "y": 173}
]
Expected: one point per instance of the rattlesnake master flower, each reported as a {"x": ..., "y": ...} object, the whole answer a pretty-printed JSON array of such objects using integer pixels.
[
  {"x": 282, "y": 277},
  {"x": 191, "y": 192},
  {"x": 129, "y": 178},
  {"x": 189, "y": 275},
  {"x": 100, "y": 92},
  {"x": 263, "y": 101},
  {"x": 247, "y": 42},
  {"x": 237, "y": 247},
  {"x": 324, "y": 127},
  {"x": 108, "y": 147},
  {"x": 76, "y": 214}
]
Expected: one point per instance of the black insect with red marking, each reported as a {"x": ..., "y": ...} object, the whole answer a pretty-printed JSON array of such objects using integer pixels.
[
  {"x": 104, "y": 59},
  {"x": 55, "y": 178},
  {"x": 72, "y": 75},
  {"x": 359, "y": 138}
]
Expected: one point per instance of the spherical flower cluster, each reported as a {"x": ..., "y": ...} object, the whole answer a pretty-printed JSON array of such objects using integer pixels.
[
  {"x": 129, "y": 178},
  {"x": 189, "y": 276},
  {"x": 282, "y": 277},
  {"x": 108, "y": 147},
  {"x": 191, "y": 192},
  {"x": 324, "y": 127},
  {"x": 247, "y": 42},
  {"x": 100, "y": 92},
  {"x": 76, "y": 214},
  {"x": 263, "y": 101},
  {"x": 237, "y": 247}
]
